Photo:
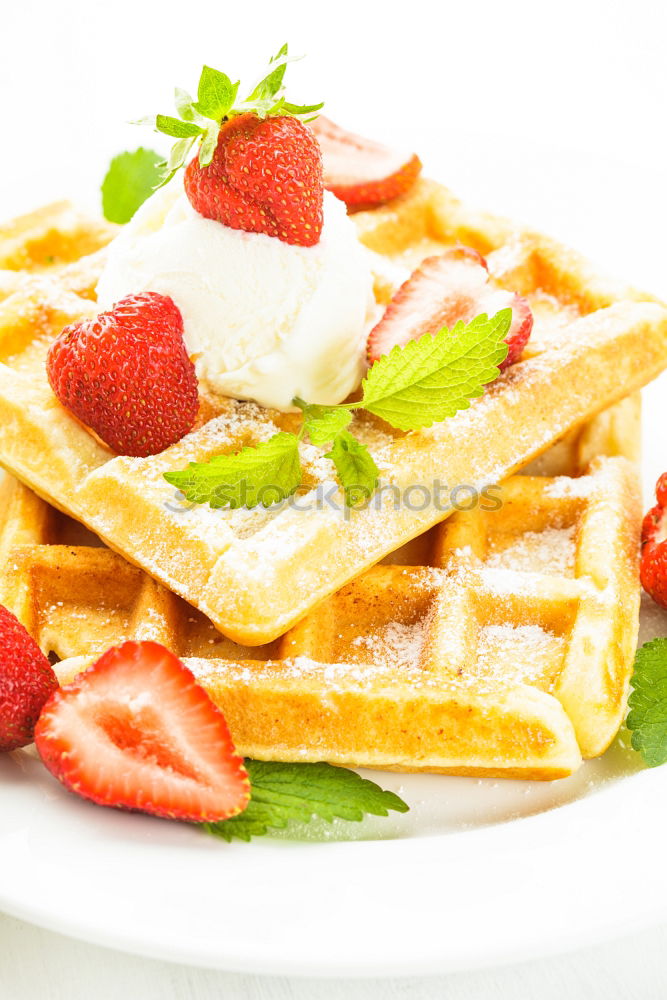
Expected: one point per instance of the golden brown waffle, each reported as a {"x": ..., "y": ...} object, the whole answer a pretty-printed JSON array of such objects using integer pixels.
[
  {"x": 55, "y": 242},
  {"x": 256, "y": 573},
  {"x": 500, "y": 642}
]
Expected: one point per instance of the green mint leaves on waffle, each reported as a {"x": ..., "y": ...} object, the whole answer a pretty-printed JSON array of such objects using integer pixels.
[
  {"x": 355, "y": 466},
  {"x": 131, "y": 178},
  {"x": 323, "y": 423},
  {"x": 432, "y": 378},
  {"x": 411, "y": 387},
  {"x": 261, "y": 475},
  {"x": 647, "y": 719},
  {"x": 284, "y": 793},
  {"x": 217, "y": 101}
]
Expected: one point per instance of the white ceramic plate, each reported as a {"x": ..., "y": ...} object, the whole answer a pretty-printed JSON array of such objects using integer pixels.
[{"x": 478, "y": 872}]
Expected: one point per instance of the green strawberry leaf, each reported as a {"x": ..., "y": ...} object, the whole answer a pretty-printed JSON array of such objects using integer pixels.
[
  {"x": 176, "y": 128},
  {"x": 302, "y": 109},
  {"x": 217, "y": 102},
  {"x": 262, "y": 474},
  {"x": 647, "y": 718},
  {"x": 184, "y": 104},
  {"x": 208, "y": 145},
  {"x": 294, "y": 793},
  {"x": 130, "y": 180},
  {"x": 215, "y": 94},
  {"x": 179, "y": 154},
  {"x": 273, "y": 82},
  {"x": 355, "y": 466},
  {"x": 433, "y": 377}
]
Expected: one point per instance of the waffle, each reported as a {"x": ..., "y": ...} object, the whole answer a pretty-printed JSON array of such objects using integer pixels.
[
  {"x": 257, "y": 573},
  {"x": 498, "y": 643},
  {"x": 55, "y": 242}
]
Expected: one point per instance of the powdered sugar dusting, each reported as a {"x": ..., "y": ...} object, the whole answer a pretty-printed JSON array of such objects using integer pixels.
[
  {"x": 519, "y": 653},
  {"x": 551, "y": 551},
  {"x": 563, "y": 487},
  {"x": 396, "y": 645}
]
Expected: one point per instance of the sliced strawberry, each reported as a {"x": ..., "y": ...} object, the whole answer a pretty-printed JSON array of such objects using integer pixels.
[
  {"x": 654, "y": 546},
  {"x": 443, "y": 290},
  {"x": 136, "y": 731},
  {"x": 361, "y": 172}
]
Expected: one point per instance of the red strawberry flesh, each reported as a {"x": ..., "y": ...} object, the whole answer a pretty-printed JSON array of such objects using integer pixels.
[
  {"x": 265, "y": 177},
  {"x": 136, "y": 731},
  {"x": 361, "y": 172},
  {"x": 653, "y": 567},
  {"x": 443, "y": 290},
  {"x": 26, "y": 683},
  {"x": 126, "y": 374}
]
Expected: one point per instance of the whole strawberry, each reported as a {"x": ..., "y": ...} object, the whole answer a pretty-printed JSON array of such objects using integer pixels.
[
  {"x": 126, "y": 374},
  {"x": 265, "y": 177},
  {"x": 653, "y": 568},
  {"x": 26, "y": 683},
  {"x": 258, "y": 166}
]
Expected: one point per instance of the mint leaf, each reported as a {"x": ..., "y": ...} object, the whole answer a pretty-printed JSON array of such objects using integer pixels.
[
  {"x": 215, "y": 94},
  {"x": 323, "y": 423},
  {"x": 130, "y": 180},
  {"x": 433, "y": 377},
  {"x": 413, "y": 386},
  {"x": 261, "y": 475},
  {"x": 281, "y": 793},
  {"x": 176, "y": 128},
  {"x": 355, "y": 466},
  {"x": 648, "y": 703}
]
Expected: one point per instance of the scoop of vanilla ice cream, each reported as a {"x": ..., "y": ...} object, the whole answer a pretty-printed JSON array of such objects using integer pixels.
[{"x": 263, "y": 320}]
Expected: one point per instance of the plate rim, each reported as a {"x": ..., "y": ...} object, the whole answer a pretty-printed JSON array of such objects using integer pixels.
[{"x": 575, "y": 826}]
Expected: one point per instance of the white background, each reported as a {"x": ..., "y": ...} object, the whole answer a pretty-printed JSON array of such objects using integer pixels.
[{"x": 555, "y": 114}]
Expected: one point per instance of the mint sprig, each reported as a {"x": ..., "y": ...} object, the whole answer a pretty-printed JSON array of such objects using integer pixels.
[
  {"x": 432, "y": 378},
  {"x": 255, "y": 476},
  {"x": 216, "y": 103},
  {"x": 323, "y": 423},
  {"x": 355, "y": 466},
  {"x": 130, "y": 180},
  {"x": 413, "y": 386},
  {"x": 295, "y": 793},
  {"x": 647, "y": 718}
]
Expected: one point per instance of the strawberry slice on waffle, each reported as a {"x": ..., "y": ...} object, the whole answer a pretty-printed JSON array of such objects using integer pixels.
[{"x": 444, "y": 289}]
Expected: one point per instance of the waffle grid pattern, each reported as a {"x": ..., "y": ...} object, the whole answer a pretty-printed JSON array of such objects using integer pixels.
[
  {"x": 256, "y": 573},
  {"x": 500, "y": 642}
]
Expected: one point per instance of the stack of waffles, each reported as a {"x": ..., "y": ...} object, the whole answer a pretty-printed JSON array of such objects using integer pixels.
[{"x": 497, "y": 640}]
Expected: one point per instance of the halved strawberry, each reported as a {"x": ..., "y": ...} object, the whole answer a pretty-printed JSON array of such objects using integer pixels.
[
  {"x": 443, "y": 290},
  {"x": 361, "y": 172},
  {"x": 136, "y": 731}
]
